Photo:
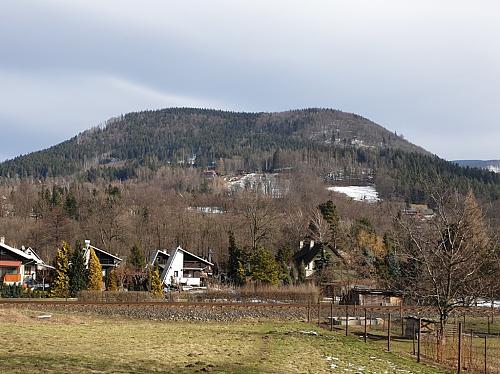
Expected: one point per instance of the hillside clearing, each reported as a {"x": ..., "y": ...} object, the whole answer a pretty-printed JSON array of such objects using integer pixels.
[{"x": 87, "y": 344}]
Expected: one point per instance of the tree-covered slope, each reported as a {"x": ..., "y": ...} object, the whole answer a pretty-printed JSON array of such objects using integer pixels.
[
  {"x": 173, "y": 135},
  {"x": 329, "y": 142}
]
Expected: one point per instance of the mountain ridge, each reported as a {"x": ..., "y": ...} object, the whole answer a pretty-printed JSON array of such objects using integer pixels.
[
  {"x": 329, "y": 143},
  {"x": 322, "y": 126},
  {"x": 491, "y": 165}
]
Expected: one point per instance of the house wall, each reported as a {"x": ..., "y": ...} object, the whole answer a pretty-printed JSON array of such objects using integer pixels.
[
  {"x": 196, "y": 282},
  {"x": 176, "y": 266},
  {"x": 310, "y": 269},
  {"x": 12, "y": 275}
]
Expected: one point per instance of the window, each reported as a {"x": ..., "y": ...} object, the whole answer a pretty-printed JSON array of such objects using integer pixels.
[{"x": 176, "y": 274}]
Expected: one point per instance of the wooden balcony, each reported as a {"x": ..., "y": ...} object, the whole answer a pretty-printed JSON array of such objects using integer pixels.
[{"x": 12, "y": 278}]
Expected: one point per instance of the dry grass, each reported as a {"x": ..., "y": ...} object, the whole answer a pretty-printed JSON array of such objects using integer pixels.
[
  {"x": 87, "y": 344},
  {"x": 259, "y": 292}
]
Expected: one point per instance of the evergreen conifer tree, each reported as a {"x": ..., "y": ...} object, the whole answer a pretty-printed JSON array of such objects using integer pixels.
[
  {"x": 136, "y": 259},
  {"x": 264, "y": 267},
  {"x": 155, "y": 281},
  {"x": 60, "y": 284},
  {"x": 94, "y": 281},
  {"x": 236, "y": 267},
  {"x": 77, "y": 273},
  {"x": 112, "y": 281}
]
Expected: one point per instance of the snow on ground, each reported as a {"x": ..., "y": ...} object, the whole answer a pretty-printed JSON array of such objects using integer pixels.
[
  {"x": 494, "y": 169},
  {"x": 206, "y": 209},
  {"x": 247, "y": 180},
  {"x": 496, "y": 303},
  {"x": 359, "y": 193}
]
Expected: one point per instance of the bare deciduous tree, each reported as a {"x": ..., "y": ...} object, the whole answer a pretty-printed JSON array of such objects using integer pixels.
[{"x": 448, "y": 257}]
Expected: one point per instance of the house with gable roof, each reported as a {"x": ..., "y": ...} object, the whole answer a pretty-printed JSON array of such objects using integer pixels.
[
  {"x": 20, "y": 266},
  {"x": 108, "y": 261},
  {"x": 182, "y": 268},
  {"x": 312, "y": 256}
]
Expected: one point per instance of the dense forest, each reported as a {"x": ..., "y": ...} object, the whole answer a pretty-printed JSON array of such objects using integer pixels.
[{"x": 336, "y": 145}]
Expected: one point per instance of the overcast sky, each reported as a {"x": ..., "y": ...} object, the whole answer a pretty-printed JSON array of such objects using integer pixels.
[{"x": 427, "y": 69}]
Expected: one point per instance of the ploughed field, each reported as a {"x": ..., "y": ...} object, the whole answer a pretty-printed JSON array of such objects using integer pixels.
[{"x": 76, "y": 342}]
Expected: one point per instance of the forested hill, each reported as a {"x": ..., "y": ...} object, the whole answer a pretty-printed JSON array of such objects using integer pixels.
[
  {"x": 174, "y": 135},
  {"x": 330, "y": 142}
]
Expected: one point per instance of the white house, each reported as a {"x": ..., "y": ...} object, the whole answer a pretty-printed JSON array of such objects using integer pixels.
[
  {"x": 182, "y": 268},
  {"x": 20, "y": 266}
]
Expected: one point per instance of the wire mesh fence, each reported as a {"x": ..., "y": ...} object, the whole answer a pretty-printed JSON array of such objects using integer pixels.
[{"x": 470, "y": 342}]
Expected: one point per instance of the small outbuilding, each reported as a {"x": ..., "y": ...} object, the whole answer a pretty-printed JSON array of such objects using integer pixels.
[{"x": 373, "y": 296}]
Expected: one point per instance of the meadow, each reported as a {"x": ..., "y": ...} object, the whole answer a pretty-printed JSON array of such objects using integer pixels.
[{"x": 86, "y": 343}]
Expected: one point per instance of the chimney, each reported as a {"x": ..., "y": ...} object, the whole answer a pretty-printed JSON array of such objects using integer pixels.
[
  {"x": 2, "y": 239},
  {"x": 301, "y": 244},
  {"x": 311, "y": 244},
  {"x": 87, "y": 243}
]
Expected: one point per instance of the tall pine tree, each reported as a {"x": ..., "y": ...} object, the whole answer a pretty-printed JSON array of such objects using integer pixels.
[
  {"x": 264, "y": 267},
  {"x": 136, "y": 259},
  {"x": 94, "y": 281},
  {"x": 237, "y": 260},
  {"x": 77, "y": 274},
  {"x": 112, "y": 281},
  {"x": 155, "y": 282},
  {"x": 60, "y": 284}
]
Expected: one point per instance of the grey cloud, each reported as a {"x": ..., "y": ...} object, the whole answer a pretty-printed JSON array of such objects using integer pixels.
[{"x": 427, "y": 69}]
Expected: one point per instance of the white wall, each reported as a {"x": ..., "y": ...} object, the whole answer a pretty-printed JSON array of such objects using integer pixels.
[{"x": 176, "y": 266}]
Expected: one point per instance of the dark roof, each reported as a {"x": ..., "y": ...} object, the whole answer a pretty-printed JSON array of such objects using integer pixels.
[
  {"x": 307, "y": 254},
  {"x": 161, "y": 252},
  {"x": 16, "y": 251},
  {"x": 102, "y": 251},
  {"x": 376, "y": 291}
]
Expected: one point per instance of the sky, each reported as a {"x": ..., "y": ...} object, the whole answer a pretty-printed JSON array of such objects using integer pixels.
[{"x": 427, "y": 69}]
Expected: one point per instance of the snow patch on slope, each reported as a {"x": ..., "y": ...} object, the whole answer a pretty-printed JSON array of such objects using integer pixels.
[{"x": 359, "y": 193}]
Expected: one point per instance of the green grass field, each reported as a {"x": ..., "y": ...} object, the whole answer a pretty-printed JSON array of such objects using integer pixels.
[{"x": 75, "y": 343}]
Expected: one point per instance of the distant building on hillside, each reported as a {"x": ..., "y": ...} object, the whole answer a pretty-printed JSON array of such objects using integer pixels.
[{"x": 421, "y": 211}]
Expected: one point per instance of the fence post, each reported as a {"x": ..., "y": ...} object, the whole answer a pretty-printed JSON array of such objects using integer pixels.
[
  {"x": 437, "y": 346},
  {"x": 365, "y": 326},
  {"x": 470, "y": 352},
  {"x": 389, "y": 333},
  {"x": 413, "y": 338},
  {"x": 346, "y": 320},
  {"x": 459, "y": 358},
  {"x": 419, "y": 338},
  {"x": 485, "y": 355},
  {"x": 331, "y": 316},
  {"x": 489, "y": 323},
  {"x": 309, "y": 311},
  {"x": 319, "y": 312},
  {"x": 401, "y": 317}
]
